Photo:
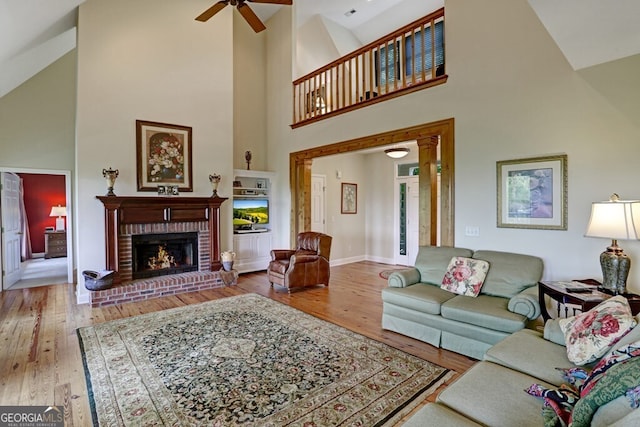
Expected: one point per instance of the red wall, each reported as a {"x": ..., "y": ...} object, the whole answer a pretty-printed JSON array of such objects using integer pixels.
[{"x": 41, "y": 192}]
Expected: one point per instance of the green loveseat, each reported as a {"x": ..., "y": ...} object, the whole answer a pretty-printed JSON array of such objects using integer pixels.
[
  {"x": 491, "y": 393},
  {"x": 416, "y": 306}
]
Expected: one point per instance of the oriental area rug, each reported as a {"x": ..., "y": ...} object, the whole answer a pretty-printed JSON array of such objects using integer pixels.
[{"x": 247, "y": 360}]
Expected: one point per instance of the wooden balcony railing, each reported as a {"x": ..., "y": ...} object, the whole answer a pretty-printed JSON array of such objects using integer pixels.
[{"x": 409, "y": 59}]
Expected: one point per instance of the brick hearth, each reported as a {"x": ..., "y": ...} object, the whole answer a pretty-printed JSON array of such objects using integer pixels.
[{"x": 162, "y": 286}]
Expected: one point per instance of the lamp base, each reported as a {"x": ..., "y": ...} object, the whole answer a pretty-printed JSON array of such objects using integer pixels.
[
  {"x": 59, "y": 224},
  {"x": 615, "y": 266}
]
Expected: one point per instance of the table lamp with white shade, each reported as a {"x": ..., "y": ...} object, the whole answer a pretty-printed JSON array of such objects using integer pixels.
[
  {"x": 616, "y": 220},
  {"x": 59, "y": 211}
]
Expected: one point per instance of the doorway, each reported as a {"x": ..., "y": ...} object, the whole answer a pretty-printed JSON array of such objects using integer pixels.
[
  {"x": 431, "y": 138},
  {"x": 40, "y": 266}
]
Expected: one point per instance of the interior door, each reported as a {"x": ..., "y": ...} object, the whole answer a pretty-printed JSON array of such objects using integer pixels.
[
  {"x": 318, "y": 206},
  {"x": 12, "y": 232}
]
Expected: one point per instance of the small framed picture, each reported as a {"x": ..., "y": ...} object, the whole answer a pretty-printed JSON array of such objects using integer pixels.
[
  {"x": 349, "y": 202},
  {"x": 175, "y": 190},
  {"x": 162, "y": 190},
  {"x": 261, "y": 183}
]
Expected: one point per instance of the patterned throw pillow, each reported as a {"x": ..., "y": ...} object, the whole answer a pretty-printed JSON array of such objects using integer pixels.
[
  {"x": 465, "y": 276},
  {"x": 591, "y": 334}
]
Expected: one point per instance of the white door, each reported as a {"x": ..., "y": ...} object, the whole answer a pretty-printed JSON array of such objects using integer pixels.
[
  {"x": 318, "y": 206},
  {"x": 11, "y": 228},
  {"x": 406, "y": 235}
]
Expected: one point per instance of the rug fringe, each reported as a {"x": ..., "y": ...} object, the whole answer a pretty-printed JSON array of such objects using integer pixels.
[{"x": 419, "y": 400}]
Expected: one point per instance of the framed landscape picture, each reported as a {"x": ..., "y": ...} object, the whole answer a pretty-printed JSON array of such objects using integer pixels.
[
  {"x": 532, "y": 193},
  {"x": 163, "y": 154},
  {"x": 349, "y": 202}
]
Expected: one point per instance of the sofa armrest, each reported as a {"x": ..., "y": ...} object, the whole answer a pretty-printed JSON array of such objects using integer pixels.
[
  {"x": 526, "y": 303},
  {"x": 403, "y": 278},
  {"x": 553, "y": 333}
]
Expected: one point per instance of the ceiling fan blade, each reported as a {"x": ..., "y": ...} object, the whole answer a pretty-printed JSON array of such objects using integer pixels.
[
  {"x": 207, "y": 14},
  {"x": 284, "y": 2},
  {"x": 251, "y": 17}
]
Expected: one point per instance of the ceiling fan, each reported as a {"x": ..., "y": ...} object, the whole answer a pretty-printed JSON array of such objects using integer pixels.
[{"x": 244, "y": 9}]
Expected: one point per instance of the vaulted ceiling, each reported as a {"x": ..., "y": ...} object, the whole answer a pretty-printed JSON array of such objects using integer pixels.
[{"x": 35, "y": 33}]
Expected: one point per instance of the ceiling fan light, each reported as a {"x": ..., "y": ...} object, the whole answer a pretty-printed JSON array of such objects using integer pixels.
[{"x": 396, "y": 153}]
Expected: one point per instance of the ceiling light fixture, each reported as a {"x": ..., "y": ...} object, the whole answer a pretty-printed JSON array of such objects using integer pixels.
[{"x": 396, "y": 153}]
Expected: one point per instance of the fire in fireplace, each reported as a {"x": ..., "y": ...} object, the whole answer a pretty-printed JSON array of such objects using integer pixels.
[{"x": 162, "y": 254}]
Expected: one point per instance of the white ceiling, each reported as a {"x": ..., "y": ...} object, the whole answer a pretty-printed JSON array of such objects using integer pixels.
[{"x": 34, "y": 33}]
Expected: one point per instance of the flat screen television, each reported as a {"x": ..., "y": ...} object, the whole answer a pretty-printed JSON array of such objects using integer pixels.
[{"x": 248, "y": 213}]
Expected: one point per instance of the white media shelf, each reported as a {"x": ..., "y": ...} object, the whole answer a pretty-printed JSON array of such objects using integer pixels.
[{"x": 253, "y": 247}]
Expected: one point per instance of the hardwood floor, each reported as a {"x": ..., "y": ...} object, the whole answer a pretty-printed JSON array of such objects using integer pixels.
[{"x": 40, "y": 361}]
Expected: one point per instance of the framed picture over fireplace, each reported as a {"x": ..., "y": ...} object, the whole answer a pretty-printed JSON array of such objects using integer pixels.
[{"x": 163, "y": 154}]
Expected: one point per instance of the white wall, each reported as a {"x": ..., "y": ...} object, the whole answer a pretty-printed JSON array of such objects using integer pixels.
[
  {"x": 512, "y": 95},
  {"x": 348, "y": 230},
  {"x": 249, "y": 95},
  {"x": 149, "y": 60},
  {"x": 37, "y": 119}
]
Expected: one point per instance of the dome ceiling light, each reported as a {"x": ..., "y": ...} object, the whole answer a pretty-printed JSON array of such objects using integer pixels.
[{"x": 396, "y": 153}]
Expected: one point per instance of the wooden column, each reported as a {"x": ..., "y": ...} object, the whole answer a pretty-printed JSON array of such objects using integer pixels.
[{"x": 428, "y": 160}]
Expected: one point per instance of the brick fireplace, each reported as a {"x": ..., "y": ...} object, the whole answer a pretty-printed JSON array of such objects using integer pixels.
[{"x": 129, "y": 218}]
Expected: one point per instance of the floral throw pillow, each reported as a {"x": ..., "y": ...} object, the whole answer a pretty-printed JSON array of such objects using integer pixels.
[
  {"x": 590, "y": 335},
  {"x": 465, "y": 276}
]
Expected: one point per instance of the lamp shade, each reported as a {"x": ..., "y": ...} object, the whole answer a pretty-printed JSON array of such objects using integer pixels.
[
  {"x": 615, "y": 219},
  {"x": 58, "y": 211},
  {"x": 396, "y": 153}
]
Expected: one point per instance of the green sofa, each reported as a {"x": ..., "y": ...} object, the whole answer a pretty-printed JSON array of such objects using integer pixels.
[
  {"x": 416, "y": 306},
  {"x": 491, "y": 393}
]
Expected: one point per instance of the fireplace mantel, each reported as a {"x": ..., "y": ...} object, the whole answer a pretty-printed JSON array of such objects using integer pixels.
[{"x": 122, "y": 210}]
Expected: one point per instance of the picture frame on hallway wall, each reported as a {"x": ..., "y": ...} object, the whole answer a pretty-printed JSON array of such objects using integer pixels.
[
  {"x": 163, "y": 156},
  {"x": 532, "y": 192},
  {"x": 349, "y": 198}
]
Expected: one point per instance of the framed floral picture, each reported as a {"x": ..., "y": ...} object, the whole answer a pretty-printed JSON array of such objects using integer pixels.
[
  {"x": 163, "y": 154},
  {"x": 349, "y": 203},
  {"x": 532, "y": 193}
]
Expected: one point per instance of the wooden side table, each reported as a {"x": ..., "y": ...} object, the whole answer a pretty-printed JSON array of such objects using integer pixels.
[
  {"x": 55, "y": 244},
  {"x": 586, "y": 301}
]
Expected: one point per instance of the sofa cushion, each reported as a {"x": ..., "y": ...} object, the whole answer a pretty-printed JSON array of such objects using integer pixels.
[
  {"x": 493, "y": 395},
  {"x": 434, "y": 414},
  {"x": 465, "y": 276},
  {"x": 510, "y": 273},
  {"x": 591, "y": 334},
  {"x": 420, "y": 297},
  {"x": 432, "y": 262},
  {"x": 484, "y": 311},
  {"x": 517, "y": 351}
]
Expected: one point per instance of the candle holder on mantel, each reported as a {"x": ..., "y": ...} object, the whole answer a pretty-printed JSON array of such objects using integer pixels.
[
  {"x": 215, "y": 180},
  {"x": 110, "y": 175}
]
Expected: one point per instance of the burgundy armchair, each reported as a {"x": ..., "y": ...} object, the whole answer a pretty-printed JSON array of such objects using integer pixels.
[{"x": 307, "y": 265}]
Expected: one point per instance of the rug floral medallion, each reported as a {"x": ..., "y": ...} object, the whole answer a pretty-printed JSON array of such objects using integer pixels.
[{"x": 246, "y": 360}]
